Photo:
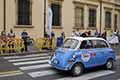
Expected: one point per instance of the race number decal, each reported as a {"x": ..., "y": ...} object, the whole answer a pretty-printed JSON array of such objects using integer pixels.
[{"x": 85, "y": 57}]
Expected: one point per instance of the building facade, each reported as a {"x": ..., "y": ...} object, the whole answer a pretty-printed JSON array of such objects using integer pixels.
[{"x": 84, "y": 15}]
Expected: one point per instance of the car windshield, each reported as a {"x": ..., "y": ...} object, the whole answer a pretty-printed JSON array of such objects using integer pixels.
[{"x": 70, "y": 43}]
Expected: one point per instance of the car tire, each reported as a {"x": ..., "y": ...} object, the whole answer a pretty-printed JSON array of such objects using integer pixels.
[
  {"x": 77, "y": 69},
  {"x": 109, "y": 64}
]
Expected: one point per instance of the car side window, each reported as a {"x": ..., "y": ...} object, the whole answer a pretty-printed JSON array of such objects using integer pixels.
[
  {"x": 100, "y": 44},
  {"x": 86, "y": 44},
  {"x": 103, "y": 44}
]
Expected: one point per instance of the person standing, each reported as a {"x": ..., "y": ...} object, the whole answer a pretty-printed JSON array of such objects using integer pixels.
[
  {"x": 63, "y": 35},
  {"x": 73, "y": 33},
  {"x": 3, "y": 40},
  {"x": 11, "y": 40},
  {"x": 77, "y": 33},
  {"x": 89, "y": 33},
  {"x": 96, "y": 34},
  {"x": 24, "y": 36},
  {"x": 85, "y": 34},
  {"x": 104, "y": 35},
  {"x": 11, "y": 34},
  {"x": 118, "y": 34}
]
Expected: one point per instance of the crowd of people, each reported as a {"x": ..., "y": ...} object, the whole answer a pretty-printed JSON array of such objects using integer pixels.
[
  {"x": 109, "y": 36},
  {"x": 103, "y": 35},
  {"x": 8, "y": 40}
]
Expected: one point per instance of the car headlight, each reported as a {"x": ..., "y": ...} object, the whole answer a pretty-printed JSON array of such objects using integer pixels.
[{"x": 73, "y": 56}]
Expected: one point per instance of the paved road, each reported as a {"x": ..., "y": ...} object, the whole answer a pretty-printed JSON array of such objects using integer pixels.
[
  {"x": 36, "y": 67},
  {"x": 116, "y": 48}
]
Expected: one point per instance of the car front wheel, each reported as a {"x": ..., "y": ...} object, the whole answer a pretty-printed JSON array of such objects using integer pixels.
[
  {"x": 109, "y": 65},
  {"x": 77, "y": 69}
]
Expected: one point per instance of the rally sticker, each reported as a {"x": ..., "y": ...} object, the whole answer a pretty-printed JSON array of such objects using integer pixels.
[{"x": 85, "y": 57}]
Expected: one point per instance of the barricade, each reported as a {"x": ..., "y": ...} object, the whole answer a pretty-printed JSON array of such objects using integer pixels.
[
  {"x": 45, "y": 43},
  {"x": 11, "y": 45}
]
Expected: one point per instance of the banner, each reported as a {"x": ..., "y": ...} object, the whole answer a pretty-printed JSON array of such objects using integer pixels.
[{"x": 49, "y": 26}]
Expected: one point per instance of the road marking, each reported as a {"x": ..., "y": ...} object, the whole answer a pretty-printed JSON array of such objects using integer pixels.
[
  {"x": 30, "y": 62},
  {"x": 42, "y": 73},
  {"x": 35, "y": 67},
  {"x": 27, "y": 56},
  {"x": 27, "y": 59},
  {"x": 11, "y": 73},
  {"x": 90, "y": 75}
]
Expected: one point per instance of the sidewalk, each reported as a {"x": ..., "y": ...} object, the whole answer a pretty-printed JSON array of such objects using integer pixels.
[{"x": 31, "y": 50}]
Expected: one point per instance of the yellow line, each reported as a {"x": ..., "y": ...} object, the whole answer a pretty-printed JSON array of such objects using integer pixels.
[{"x": 10, "y": 72}]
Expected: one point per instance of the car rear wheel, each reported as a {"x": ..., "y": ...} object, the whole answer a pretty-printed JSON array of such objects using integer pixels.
[
  {"x": 77, "y": 69},
  {"x": 109, "y": 65}
]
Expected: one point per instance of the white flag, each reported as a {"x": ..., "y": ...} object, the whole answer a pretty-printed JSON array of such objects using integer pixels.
[{"x": 49, "y": 26}]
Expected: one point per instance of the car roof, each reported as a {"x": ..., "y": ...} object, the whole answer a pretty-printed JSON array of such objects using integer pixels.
[{"x": 86, "y": 38}]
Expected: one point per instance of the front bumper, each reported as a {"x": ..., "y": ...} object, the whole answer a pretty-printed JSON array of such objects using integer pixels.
[{"x": 66, "y": 68}]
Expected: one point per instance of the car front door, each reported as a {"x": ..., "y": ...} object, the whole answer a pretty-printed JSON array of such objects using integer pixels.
[{"x": 88, "y": 53}]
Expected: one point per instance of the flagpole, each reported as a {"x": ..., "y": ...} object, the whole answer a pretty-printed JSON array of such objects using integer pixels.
[
  {"x": 100, "y": 15},
  {"x": 4, "y": 12},
  {"x": 44, "y": 18}
]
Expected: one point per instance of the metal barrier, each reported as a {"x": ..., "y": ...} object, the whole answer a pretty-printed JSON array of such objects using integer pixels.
[
  {"x": 17, "y": 44},
  {"x": 46, "y": 43},
  {"x": 11, "y": 44}
]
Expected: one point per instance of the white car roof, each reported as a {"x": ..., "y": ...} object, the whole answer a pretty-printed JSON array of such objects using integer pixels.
[
  {"x": 89, "y": 38},
  {"x": 86, "y": 38}
]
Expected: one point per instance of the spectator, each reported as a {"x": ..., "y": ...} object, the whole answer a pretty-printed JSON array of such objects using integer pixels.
[
  {"x": 52, "y": 37},
  {"x": 11, "y": 37},
  {"x": 61, "y": 38},
  {"x": 115, "y": 32},
  {"x": 96, "y": 34},
  {"x": 104, "y": 35},
  {"x": 24, "y": 36},
  {"x": 3, "y": 33},
  {"x": 11, "y": 34},
  {"x": 85, "y": 34},
  {"x": 52, "y": 34},
  {"x": 118, "y": 34},
  {"x": 89, "y": 33},
  {"x": 73, "y": 33},
  {"x": 63, "y": 35},
  {"x": 77, "y": 33},
  {"x": 3, "y": 40}
]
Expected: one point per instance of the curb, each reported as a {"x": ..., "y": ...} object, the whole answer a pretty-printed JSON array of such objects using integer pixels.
[{"x": 25, "y": 53}]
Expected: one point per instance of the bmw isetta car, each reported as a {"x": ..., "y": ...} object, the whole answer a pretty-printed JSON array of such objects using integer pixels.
[{"x": 78, "y": 53}]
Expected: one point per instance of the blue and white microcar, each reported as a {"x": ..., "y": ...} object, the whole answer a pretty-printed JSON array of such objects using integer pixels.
[{"x": 78, "y": 53}]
